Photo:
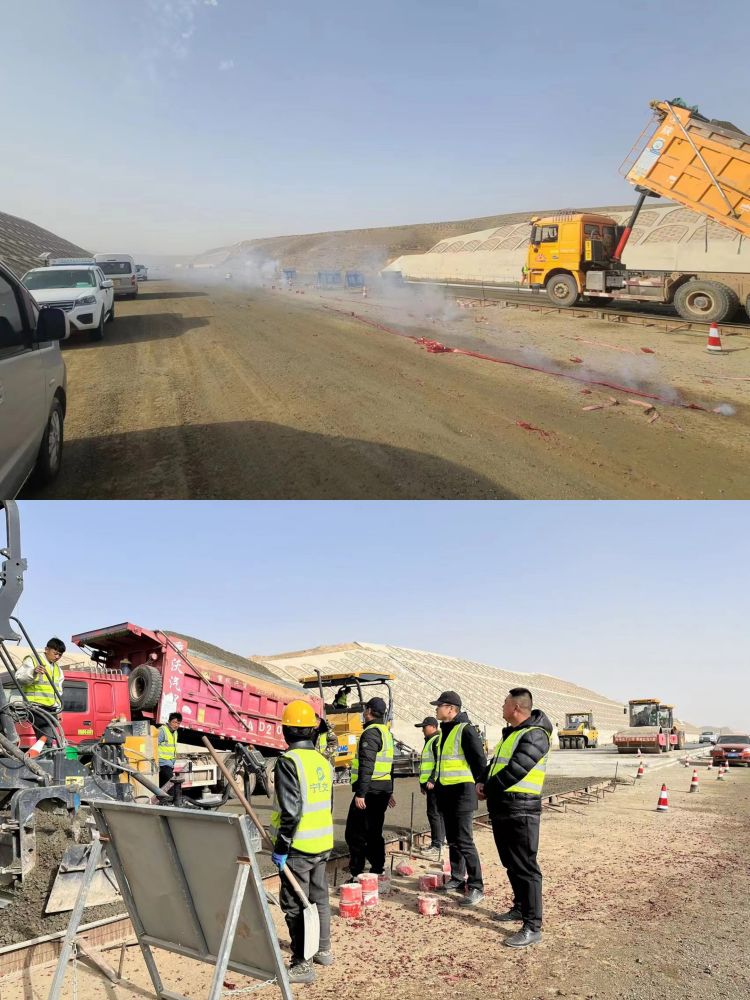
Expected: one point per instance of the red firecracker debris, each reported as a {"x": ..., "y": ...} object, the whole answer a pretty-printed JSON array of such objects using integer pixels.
[{"x": 530, "y": 427}]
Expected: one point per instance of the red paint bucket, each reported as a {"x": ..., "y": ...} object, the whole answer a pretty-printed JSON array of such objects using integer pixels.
[
  {"x": 429, "y": 882},
  {"x": 369, "y": 883},
  {"x": 350, "y": 911},
  {"x": 429, "y": 906},
  {"x": 351, "y": 892}
]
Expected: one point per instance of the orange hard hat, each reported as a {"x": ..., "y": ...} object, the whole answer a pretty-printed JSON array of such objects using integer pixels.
[{"x": 298, "y": 713}]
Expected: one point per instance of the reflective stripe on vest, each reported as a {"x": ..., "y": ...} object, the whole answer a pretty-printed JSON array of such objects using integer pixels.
[
  {"x": 530, "y": 784},
  {"x": 383, "y": 760},
  {"x": 314, "y": 833},
  {"x": 41, "y": 691},
  {"x": 427, "y": 765},
  {"x": 168, "y": 750},
  {"x": 452, "y": 766}
]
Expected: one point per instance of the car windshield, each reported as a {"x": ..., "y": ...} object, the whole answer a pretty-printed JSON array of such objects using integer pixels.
[
  {"x": 734, "y": 739},
  {"x": 62, "y": 278},
  {"x": 116, "y": 266}
]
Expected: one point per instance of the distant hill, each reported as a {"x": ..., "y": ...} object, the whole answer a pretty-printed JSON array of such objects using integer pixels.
[
  {"x": 21, "y": 243},
  {"x": 357, "y": 249}
]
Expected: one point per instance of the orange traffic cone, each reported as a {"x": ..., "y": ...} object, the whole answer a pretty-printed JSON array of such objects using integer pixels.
[
  {"x": 714, "y": 340},
  {"x": 720, "y": 775},
  {"x": 364, "y": 291},
  {"x": 37, "y": 747},
  {"x": 710, "y": 765},
  {"x": 663, "y": 804},
  {"x": 694, "y": 781},
  {"x": 639, "y": 773}
]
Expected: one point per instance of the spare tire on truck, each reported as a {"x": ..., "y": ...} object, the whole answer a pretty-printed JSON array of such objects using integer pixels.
[{"x": 144, "y": 688}]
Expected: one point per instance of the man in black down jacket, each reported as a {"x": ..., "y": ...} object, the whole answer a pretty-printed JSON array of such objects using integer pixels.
[
  {"x": 458, "y": 802},
  {"x": 371, "y": 798},
  {"x": 515, "y": 815}
]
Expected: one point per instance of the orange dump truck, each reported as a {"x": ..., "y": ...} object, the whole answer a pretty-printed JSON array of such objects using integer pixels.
[{"x": 701, "y": 164}]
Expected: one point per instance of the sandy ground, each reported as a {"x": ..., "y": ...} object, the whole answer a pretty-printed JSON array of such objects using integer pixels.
[
  {"x": 221, "y": 392},
  {"x": 639, "y": 905}
]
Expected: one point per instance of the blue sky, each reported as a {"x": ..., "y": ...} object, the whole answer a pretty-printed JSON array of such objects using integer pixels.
[
  {"x": 176, "y": 125},
  {"x": 631, "y": 599}
]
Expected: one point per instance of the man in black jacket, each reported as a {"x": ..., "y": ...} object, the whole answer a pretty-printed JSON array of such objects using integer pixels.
[
  {"x": 513, "y": 789},
  {"x": 372, "y": 785},
  {"x": 461, "y": 763}
]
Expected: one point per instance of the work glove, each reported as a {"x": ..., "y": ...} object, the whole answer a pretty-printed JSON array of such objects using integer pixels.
[{"x": 279, "y": 860}]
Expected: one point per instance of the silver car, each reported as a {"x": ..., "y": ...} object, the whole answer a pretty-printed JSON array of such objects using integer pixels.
[{"x": 33, "y": 395}]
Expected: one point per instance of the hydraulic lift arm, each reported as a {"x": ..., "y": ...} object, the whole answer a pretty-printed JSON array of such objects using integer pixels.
[{"x": 12, "y": 569}]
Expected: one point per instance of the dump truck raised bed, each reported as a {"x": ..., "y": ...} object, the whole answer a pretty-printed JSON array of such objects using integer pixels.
[
  {"x": 579, "y": 732},
  {"x": 700, "y": 164},
  {"x": 652, "y": 728}
]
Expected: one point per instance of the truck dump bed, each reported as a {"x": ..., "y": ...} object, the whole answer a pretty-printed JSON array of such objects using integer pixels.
[{"x": 704, "y": 165}]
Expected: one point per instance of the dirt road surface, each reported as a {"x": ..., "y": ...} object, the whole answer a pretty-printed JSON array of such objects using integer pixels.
[
  {"x": 231, "y": 393},
  {"x": 639, "y": 905}
]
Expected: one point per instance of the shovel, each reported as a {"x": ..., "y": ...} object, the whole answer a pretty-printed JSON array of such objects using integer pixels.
[{"x": 310, "y": 916}]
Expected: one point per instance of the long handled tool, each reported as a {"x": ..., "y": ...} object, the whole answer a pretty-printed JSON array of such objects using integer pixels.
[{"x": 310, "y": 916}]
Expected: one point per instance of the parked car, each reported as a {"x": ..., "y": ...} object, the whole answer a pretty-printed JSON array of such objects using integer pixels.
[
  {"x": 33, "y": 389},
  {"x": 120, "y": 267},
  {"x": 708, "y": 736},
  {"x": 141, "y": 272},
  {"x": 733, "y": 749},
  {"x": 82, "y": 291}
]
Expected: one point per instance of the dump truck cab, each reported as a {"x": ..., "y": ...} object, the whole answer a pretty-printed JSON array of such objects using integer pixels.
[
  {"x": 344, "y": 696},
  {"x": 564, "y": 247},
  {"x": 579, "y": 732}
]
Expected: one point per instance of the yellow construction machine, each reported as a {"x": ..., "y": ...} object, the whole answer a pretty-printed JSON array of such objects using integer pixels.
[{"x": 579, "y": 732}]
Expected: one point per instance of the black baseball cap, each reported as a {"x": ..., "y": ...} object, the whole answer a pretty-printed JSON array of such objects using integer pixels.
[
  {"x": 448, "y": 698},
  {"x": 377, "y": 706},
  {"x": 429, "y": 720}
]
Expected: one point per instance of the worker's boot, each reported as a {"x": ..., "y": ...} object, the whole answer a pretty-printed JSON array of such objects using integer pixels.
[
  {"x": 323, "y": 957},
  {"x": 472, "y": 897},
  {"x": 452, "y": 885},
  {"x": 524, "y": 938},
  {"x": 301, "y": 972},
  {"x": 512, "y": 914}
]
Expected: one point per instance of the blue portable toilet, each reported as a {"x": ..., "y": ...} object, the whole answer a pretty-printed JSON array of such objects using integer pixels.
[
  {"x": 290, "y": 273},
  {"x": 329, "y": 279},
  {"x": 355, "y": 279}
]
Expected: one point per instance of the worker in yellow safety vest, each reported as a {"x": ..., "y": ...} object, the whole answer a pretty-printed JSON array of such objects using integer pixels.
[
  {"x": 513, "y": 790},
  {"x": 302, "y": 833},
  {"x": 461, "y": 763},
  {"x": 42, "y": 679},
  {"x": 372, "y": 788},
  {"x": 427, "y": 764},
  {"x": 167, "y": 747}
]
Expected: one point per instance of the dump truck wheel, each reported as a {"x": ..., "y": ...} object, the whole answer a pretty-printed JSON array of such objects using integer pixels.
[
  {"x": 144, "y": 688},
  {"x": 562, "y": 290},
  {"x": 706, "y": 302}
]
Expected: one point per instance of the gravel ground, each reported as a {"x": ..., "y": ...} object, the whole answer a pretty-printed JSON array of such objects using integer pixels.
[
  {"x": 218, "y": 392},
  {"x": 639, "y": 905}
]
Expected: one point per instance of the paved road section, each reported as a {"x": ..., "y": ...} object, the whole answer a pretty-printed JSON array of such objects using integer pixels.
[{"x": 225, "y": 393}]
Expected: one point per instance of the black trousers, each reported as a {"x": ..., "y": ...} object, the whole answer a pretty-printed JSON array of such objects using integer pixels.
[
  {"x": 435, "y": 819},
  {"x": 41, "y": 726},
  {"x": 517, "y": 840},
  {"x": 310, "y": 870},
  {"x": 165, "y": 775},
  {"x": 465, "y": 863},
  {"x": 364, "y": 833}
]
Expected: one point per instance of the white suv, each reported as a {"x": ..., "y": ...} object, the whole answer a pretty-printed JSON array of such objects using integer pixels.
[
  {"x": 82, "y": 291},
  {"x": 33, "y": 392}
]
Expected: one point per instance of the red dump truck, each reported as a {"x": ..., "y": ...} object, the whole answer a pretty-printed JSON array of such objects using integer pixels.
[{"x": 138, "y": 676}]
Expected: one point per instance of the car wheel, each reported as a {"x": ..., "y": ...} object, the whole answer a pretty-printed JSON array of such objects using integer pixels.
[
  {"x": 98, "y": 333},
  {"x": 49, "y": 458},
  {"x": 111, "y": 317}
]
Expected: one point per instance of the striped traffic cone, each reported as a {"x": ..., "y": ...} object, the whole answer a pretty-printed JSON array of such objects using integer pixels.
[
  {"x": 37, "y": 747},
  {"x": 639, "y": 773},
  {"x": 694, "y": 781},
  {"x": 714, "y": 340},
  {"x": 663, "y": 804},
  {"x": 720, "y": 775}
]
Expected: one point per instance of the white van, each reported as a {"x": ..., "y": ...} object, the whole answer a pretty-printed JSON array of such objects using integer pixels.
[{"x": 121, "y": 269}]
